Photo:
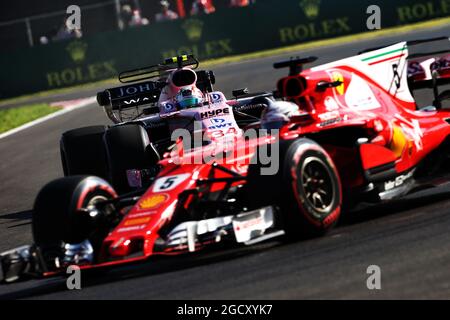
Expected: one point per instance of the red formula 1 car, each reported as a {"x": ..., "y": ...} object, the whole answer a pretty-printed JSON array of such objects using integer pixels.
[{"x": 336, "y": 134}]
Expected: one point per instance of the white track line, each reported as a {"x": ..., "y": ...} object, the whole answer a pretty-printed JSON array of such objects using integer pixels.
[{"x": 67, "y": 108}]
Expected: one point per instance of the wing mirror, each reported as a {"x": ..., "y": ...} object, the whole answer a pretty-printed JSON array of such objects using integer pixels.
[
  {"x": 239, "y": 92},
  {"x": 323, "y": 85}
]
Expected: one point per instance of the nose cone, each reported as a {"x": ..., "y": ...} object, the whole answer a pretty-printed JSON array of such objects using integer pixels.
[{"x": 120, "y": 248}]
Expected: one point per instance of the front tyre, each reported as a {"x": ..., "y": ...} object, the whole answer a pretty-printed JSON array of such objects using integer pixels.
[
  {"x": 306, "y": 188},
  {"x": 314, "y": 197},
  {"x": 60, "y": 215}
]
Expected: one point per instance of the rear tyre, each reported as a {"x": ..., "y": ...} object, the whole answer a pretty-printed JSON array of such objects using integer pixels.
[
  {"x": 306, "y": 188},
  {"x": 58, "y": 215},
  {"x": 83, "y": 152},
  {"x": 128, "y": 147}
]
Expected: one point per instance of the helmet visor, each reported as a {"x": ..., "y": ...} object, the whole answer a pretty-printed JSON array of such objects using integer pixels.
[{"x": 188, "y": 103}]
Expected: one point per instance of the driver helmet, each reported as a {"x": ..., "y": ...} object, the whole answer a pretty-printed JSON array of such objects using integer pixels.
[{"x": 189, "y": 97}]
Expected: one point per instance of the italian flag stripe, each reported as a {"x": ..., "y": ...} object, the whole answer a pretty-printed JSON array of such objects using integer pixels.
[
  {"x": 387, "y": 59},
  {"x": 382, "y": 54}
]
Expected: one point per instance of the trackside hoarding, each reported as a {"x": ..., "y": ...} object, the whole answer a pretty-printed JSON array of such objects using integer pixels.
[{"x": 265, "y": 25}]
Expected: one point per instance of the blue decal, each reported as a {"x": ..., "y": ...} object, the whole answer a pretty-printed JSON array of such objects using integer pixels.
[
  {"x": 217, "y": 120},
  {"x": 169, "y": 106},
  {"x": 216, "y": 97}
]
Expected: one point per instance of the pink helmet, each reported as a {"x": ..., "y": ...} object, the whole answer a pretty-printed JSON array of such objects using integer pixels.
[{"x": 189, "y": 97}]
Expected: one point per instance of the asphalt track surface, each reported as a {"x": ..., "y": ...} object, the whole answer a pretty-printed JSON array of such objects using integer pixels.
[{"x": 409, "y": 239}]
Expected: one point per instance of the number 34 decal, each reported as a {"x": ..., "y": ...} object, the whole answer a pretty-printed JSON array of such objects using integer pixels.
[{"x": 170, "y": 182}]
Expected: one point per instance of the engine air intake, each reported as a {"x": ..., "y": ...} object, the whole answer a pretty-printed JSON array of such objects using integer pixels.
[{"x": 182, "y": 78}]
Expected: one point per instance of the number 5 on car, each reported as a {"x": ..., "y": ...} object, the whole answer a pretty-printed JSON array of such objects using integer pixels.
[{"x": 169, "y": 182}]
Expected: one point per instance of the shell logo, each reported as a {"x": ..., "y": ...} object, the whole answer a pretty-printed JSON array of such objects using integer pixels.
[{"x": 153, "y": 201}]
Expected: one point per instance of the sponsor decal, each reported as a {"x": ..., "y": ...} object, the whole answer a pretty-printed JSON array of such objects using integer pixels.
[
  {"x": 398, "y": 181},
  {"x": 425, "y": 10},
  {"x": 217, "y": 120},
  {"x": 133, "y": 222},
  {"x": 310, "y": 8},
  {"x": 169, "y": 182},
  {"x": 153, "y": 201},
  {"x": 141, "y": 214},
  {"x": 330, "y": 122},
  {"x": 248, "y": 224},
  {"x": 169, "y": 107},
  {"x": 81, "y": 73},
  {"x": 222, "y": 133},
  {"x": 315, "y": 29},
  {"x": 337, "y": 76},
  {"x": 215, "y": 97},
  {"x": 133, "y": 228},
  {"x": 416, "y": 71},
  {"x": 204, "y": 50},
  {"x": 442, "y": 66},
  {"x": 329, "y": 115},
  {"x": 193, "y": 29},
  {"x": 214, "y": 113},
  {"x": 219, "y": 123},
  {"x": 77, "y": 51},
  {"x": 131, "y": 90},
  {"x": 135, "y": 101}
]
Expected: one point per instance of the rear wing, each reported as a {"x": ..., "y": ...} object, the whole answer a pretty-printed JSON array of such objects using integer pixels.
[
  {"x": 130, "y": 95},
  {"x": 140, "y": 90},
  {"x": 159, "y": 70},
  {"x": 427, "y": 68},
  {"x": 147, "y": 92},
  {"x": 429, "y": 72},
  {"x": 408, "y": 43}
]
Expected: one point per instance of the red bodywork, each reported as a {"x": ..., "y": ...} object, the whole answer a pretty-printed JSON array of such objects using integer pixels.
[{"x": 394, "y": 132}]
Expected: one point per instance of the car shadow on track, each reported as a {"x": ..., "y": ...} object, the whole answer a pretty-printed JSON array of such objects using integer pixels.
[
  {"x": 369, "y": 212},
  {"x": 152, "y": 266},
  {"x": 21, "y": 217}
]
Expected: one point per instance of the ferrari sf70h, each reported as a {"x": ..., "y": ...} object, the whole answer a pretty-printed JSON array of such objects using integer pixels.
[{"x": 183, "y": 168}]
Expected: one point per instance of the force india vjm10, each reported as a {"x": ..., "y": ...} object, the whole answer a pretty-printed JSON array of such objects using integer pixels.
[{"x": 344, "y": 132}]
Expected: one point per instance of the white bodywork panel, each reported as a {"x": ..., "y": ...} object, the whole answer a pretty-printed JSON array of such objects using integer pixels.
[{"x": 387, "y": 67}]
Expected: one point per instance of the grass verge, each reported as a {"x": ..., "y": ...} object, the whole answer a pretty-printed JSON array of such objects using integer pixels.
[{"x": 15, "y": 117}]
